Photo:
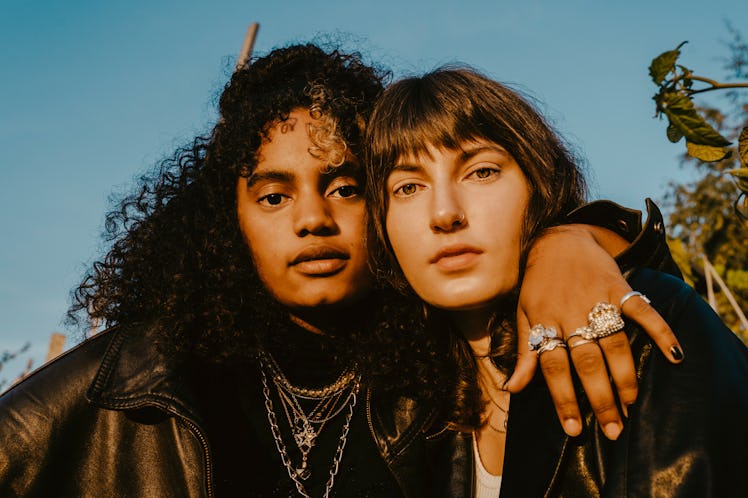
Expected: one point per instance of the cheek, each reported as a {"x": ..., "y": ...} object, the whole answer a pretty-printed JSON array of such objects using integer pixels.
[
  {"x": 260, "y": 240},
  {"x": 400, "y": 232}
]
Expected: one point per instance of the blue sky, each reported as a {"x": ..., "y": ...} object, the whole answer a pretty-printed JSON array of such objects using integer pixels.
[{"x": 93, "y": 93}]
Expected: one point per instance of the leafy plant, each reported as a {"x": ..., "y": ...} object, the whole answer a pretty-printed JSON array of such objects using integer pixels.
[{"x": 677, "y": 85}]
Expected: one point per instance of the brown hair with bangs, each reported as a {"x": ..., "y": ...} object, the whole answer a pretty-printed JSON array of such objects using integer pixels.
[{"x": 447, "y": 108}]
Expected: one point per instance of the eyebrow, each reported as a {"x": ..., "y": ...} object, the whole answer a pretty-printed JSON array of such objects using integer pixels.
[
  {"x": 470, "y": 152},
  {"x": 346, "y": 169},
  {"x": 405, "y": 167},
  {"x": 272, "y": 175},
  {"x": 466, "y": 154}
]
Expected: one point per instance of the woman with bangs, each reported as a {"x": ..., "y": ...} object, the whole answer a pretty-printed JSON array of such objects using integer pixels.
[{"x": 464, "y": 174}]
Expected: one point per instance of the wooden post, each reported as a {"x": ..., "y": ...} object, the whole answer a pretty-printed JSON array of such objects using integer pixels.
[
  {"x": 712, "y": 272},
  {"x": 709, "y": 285},
  {"x": 248, "y": 45},
  {"x": 56, "y": 345}
]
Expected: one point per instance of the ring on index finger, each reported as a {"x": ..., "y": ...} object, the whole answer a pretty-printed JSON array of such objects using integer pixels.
[
  {"x": 551, "y": 344},
  {"x": 544, "y": 339}
]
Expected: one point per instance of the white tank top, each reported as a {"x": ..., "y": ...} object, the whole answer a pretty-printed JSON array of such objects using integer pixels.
[{"x": 487, "y": 485}]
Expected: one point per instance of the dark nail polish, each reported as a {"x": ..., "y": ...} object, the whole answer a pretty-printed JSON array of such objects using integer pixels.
[{"x": 676, "y": 352}]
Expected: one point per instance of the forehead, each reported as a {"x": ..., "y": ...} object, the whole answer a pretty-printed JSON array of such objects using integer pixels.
[
  {"x": 287, "y": 137},
  {"x": 301, "y": 141}
]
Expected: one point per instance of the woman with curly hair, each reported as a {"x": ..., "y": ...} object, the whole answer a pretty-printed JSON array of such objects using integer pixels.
[
  {"x": 247, "y": 350},
  {"x": 464, "y": 174}
]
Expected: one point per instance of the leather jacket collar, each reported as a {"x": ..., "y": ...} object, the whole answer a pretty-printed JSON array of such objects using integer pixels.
[{"x": 133, "y": 374}]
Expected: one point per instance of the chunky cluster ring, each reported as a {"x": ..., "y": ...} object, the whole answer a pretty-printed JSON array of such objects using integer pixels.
[
  {"x": 544, "y": 339},
  {"x": 604, "y": 320}
]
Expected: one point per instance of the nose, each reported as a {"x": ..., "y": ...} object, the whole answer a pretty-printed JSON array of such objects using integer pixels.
[
  {"x": 447, "y": 214},
  {"x": 313, "y": 216}
]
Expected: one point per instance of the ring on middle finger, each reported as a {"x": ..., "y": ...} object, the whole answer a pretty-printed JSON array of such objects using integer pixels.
[
  {"x": 585, "y": 332},
  {"x": 604, "y": 320},
  {"x": 579, "y": 342}
]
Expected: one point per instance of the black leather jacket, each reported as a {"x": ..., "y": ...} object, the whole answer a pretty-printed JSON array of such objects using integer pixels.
[
  {"x": 111, "y": 417},
  {"x": 686, "y": 435}
]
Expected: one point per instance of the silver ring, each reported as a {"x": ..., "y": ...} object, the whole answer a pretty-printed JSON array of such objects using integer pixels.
[
  {"x": 604, "y": 320},
  {"x": 580, "y": 342},
  {"x": 540, "y": 336},
  {"x": 585, "y": 332},
  {"x": 550, "y": 344},
  {"x": 631, "y": 294}
]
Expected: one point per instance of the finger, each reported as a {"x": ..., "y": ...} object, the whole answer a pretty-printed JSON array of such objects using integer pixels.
[
  {"x": 590, "y": 367},
  {"x": 620, "y": 362},
  {"x": 638, "y": 309},
  {"x": 557, "y": 372},
  {"x": 527, "y": 360}
]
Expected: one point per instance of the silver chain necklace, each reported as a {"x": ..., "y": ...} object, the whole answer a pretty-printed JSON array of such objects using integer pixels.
[{"x": 329, "y": 404}]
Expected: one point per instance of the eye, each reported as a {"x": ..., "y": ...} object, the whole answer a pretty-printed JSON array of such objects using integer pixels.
[
  {"x": 272, "y": 199},
  {"x": 407, "y": 189},
  {"x": 485, "y": 172},
  {"x": 346, "y": 191}
]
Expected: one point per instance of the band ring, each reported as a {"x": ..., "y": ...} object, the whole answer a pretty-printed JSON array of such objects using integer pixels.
[
  {"x": 631, "y": 294},
  {"x": 581, "y": 342}
]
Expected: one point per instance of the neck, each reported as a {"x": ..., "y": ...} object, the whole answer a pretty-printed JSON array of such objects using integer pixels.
[
  {"x": 326, "y": 320},
  {"x": 474, "y": 326}
]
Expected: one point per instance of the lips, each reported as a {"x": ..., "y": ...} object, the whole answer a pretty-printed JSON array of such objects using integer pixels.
[
  {"x": 320, "y": 260},
  {"x": 455, "y": 258}
]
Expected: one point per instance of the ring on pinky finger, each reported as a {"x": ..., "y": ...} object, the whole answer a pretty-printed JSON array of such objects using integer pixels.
[{"x": 631, "y": 294}]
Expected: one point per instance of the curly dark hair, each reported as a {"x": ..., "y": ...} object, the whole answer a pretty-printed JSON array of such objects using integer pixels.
[
  {"x": 445, "y": 108},
  {"x": 177, "y": 259}
]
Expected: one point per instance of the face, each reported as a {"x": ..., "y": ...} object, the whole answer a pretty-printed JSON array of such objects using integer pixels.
[
  {"x": 455, "y": 221},
  {"x": 304, "y": 221}
]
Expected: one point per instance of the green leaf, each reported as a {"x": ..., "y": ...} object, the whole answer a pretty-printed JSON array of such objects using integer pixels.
[
  {"x": 741, "y": 175},
  {"x": 673, "y": 133},
  {"x": 682, "y": 114},
  {"x": 663, "y": 64},
  {"x": 743, "y": 146},
  {"x": 706, "y": 153}
]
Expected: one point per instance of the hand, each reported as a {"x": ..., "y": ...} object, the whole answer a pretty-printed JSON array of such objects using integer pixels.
[{"x": 570, "y": 269}]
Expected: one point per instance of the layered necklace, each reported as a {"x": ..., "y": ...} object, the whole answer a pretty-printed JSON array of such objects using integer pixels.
[
  {"x": 322, "y": 405},
  {"x": 488, "y": 382}
]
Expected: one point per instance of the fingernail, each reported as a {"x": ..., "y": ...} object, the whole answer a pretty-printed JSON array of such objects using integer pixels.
[
  {"x": 572, "y": 427},
  {"x": 612, "y": 430},
  {"x": 676, "y": 352}
]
